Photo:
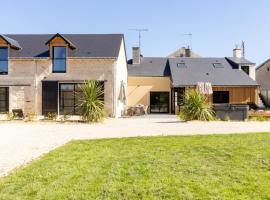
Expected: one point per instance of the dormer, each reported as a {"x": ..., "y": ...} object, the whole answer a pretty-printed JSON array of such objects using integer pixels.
[
  {"x": 59, "y": 46},
  {"x": 6, "y": 44}
]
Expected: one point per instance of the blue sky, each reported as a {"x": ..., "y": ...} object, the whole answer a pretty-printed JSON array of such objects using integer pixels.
[{"x": 216, "y": 25}]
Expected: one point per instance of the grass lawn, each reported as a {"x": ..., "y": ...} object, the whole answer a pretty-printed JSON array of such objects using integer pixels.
[{"x": 197, "y": 167}]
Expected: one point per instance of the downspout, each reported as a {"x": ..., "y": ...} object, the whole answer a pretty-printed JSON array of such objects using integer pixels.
[
  {"x": 114, "y": 88},
  {"x": 35, "y": 85}
]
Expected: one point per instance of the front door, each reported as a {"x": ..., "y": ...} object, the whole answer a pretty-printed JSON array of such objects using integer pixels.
[
  {"x": 159, "y": 102},
  {"x": 49, "y": 97}
]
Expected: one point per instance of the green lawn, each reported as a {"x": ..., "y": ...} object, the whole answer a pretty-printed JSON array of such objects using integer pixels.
[{"x": 197, "y": 167}]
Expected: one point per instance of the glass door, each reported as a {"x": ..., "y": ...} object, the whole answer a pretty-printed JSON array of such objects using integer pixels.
[{"x": 159, "y": 102}]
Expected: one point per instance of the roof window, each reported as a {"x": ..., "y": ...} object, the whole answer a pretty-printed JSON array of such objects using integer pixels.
[
  {"x": 218, "y": 65},
  {"x": 181, "y": 65}
]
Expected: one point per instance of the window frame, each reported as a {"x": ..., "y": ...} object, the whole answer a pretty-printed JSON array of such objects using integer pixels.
[
  {"x": 74, "y": 90},
  {"x": 6, "y": 109},
  {"x": 181, "y": 65},
  {"x": 218, "y": 65},
  {"x": 53, "y": 59},
  {"x": 6, "y": 72},
  {"x": 244, "y": 68},
  {"x": 219, "y": 102}
]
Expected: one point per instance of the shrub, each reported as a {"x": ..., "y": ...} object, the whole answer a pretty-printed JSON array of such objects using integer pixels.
[
  {"x": 90, "y": 101},
  {"x": 31, "y": 116},
  {"x": 51, "y": 116},
  {"x": 11, "y": 116},
  {"x": 196, "y": 107},
  {"x": 65, "y": 117},
  {"x": 226, "y": 118}
]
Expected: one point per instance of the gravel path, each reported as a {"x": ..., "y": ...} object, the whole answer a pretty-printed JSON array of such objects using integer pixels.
[{"x": 21, "y": 142}]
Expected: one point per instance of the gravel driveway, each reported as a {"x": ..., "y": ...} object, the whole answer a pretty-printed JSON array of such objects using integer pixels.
[{"x": 21, "y": 142}]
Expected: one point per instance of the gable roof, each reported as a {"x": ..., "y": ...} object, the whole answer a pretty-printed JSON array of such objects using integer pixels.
[
  {"x": 240, "y": 60},
  {"x": 203, "y": 70},
  {"x": 149, "y": 67},
  {"x": 182, "y": 53},
  {"x": 13, "y": 43},
  {"x": 66, "y": 40},
  {"x": 87, "y": 45},
  {"x": 261, "y": 65}
]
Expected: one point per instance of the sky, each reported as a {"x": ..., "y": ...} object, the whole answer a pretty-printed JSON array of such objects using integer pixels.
[{"x": 216, "y": 25}]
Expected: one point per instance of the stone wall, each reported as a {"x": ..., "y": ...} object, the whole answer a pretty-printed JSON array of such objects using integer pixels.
[{"x": 25, "y": 80}]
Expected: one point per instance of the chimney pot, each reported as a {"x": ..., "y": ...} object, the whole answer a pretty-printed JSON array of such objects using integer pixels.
[{"x": 237, "y": 53}]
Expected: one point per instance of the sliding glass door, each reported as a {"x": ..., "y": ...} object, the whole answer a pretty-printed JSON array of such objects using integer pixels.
[{"x": 159, "y": 102}]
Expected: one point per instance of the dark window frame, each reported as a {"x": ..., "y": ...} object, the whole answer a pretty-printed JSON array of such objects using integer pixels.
[
  {"x": 6, "y": 101},
  {"x": 6, "y": 60},
  {"x": 218, "y": 95},
  {"x": 245, "y": 69},
  {"x": 53, "y": 59},
  {"x": 159, "y": 106},
  {"x": 75, "y": 90}
]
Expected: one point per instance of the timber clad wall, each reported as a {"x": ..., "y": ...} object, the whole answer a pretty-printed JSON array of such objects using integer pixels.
[
  {"x": 139, "y": 88},
  {"x": 239, "y": 95}
]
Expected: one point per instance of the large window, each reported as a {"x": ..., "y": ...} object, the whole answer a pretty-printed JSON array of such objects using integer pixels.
[
  {"x": 59, "y": 59},
  {"x": 4, "y": 106},
  {"x": 69, "y": 96},
  {"x": 3, "y": 60},
  {"x": 159, "y": 102},
  {"x": 221, "y": 97}
]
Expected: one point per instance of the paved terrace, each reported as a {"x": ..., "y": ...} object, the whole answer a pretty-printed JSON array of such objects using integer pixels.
[{"x": 22, "y": 142}]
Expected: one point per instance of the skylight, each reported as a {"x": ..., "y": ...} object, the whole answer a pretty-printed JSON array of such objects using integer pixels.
[
  {"x": 181, "y": 65},
  {"x": 218, "y": 65}
]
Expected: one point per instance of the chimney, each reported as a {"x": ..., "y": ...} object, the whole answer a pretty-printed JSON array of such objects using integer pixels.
[
  {"x": 187, "y": 52},
  {"x": 136, "y": 55},
  {"x": 237, "y": 53}
]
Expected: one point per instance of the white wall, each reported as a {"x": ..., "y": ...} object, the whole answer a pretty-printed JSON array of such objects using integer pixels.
[{"x": 121, "y": 75}]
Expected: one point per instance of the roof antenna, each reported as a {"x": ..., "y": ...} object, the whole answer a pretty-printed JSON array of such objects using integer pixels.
[
  {"x": 139, "y": 30},
  {"x": 243, "y": 48},
  {"x": 189, "y": 35}
]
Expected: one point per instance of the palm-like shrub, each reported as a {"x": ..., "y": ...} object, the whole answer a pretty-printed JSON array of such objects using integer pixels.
[
  {"x": 196, "y": 107},
  {"x": 90, "y": 101}
]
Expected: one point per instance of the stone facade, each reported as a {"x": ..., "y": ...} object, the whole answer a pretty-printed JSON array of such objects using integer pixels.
[{"x": 25, "y": 77}]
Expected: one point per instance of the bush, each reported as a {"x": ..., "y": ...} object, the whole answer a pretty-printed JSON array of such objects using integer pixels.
[
  {"x": 90, "y": 101},
  {"x": 11, "y": 116},
  {"x": 196, "y": 107},
  {"x": 31, "y": 116},
  {"x": 51, "y": 116}
]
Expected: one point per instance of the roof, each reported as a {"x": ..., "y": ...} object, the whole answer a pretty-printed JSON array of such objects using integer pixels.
[
  {"x": 87, "y": 45},
  {"x": 202, "y": 70},
  {"x": 240, "y": 60},
  {"x": 261, "y": 65},
  {"x": 182, "y": 53},
  {"x": 149, "y": 67},
  {"x": 66, "y": 40},
  {"x": 13, "y": 43},
  {"x": 196, "y": 70}
]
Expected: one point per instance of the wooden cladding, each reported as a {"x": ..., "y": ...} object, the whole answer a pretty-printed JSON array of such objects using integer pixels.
[
  {"x": 3, "y": 42},
  {"x": 239, "y": 95}
]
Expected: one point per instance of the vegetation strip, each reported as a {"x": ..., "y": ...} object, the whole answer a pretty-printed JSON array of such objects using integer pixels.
[{"x": 193, "y": 167}]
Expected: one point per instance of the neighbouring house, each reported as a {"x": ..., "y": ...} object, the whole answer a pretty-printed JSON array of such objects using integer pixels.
[
  {"x": 41, "y": 73},
  {"x": 263, "y": 78},
  {"x": 184, "y": 52},
  {"x": 160, "y": 83}
]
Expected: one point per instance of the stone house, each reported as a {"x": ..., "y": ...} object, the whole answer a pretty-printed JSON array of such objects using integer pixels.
[{"x": 41, "y": 73}]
